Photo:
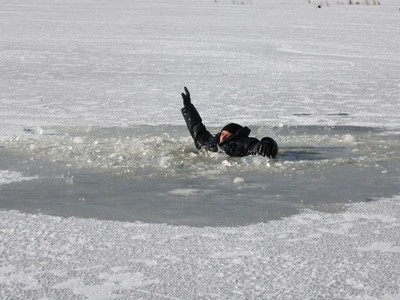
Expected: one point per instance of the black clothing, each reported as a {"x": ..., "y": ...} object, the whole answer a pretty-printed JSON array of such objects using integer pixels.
[{"x": 239, "y": 144}]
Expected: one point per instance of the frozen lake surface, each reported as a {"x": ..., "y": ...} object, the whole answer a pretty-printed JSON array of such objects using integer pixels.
[
  {"x": 155, "y": 174},
  {"x": 104, "y": 196}
]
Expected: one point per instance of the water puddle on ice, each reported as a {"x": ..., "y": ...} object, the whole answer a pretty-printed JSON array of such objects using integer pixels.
[{"x": 155, "y": 174}]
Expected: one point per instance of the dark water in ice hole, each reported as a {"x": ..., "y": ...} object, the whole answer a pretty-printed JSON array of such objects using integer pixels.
[{"x": 155, "y": 174}]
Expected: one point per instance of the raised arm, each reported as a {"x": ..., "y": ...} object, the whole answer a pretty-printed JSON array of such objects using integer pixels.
[{"x": 194, "y": 123}]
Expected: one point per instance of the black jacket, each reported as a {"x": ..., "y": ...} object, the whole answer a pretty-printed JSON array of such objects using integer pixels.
[{"x": 240, "y": 144}]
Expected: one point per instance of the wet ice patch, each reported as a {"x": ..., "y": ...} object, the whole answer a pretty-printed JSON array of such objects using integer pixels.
[{"x": 156, "y": 174}]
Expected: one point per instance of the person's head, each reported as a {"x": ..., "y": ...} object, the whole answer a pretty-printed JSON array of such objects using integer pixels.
[{"x": 228, "y": 131}]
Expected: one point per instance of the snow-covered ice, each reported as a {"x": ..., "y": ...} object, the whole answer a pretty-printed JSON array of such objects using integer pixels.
[
  {"x": 314, "y": 255},
  {"x": 90, "y": 114}
]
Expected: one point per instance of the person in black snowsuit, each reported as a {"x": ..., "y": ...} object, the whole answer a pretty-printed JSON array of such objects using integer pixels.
[{"x": 233, "y": 139}]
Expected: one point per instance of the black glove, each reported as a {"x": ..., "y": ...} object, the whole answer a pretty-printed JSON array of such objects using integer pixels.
[
  {"x": 267, "y": 147},
  {"x": 186, "y": 98}
]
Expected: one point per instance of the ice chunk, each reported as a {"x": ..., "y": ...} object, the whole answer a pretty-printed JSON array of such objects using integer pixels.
[
  {"x": 78, "y": 140},
  {"x": 349, "y": 139},
  {"x": 238, "y": 180},
  {"x": 184, "y": 192}
]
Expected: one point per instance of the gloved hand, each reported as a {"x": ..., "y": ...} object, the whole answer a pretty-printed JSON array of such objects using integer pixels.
[
  {"x": 186, "y": 98},
  {"x": 267, "y": 147}
]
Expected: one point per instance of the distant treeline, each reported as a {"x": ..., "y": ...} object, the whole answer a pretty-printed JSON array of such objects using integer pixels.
[
  {"x": 318, "y": 3},
  {"x": 344, "y": 2}
]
